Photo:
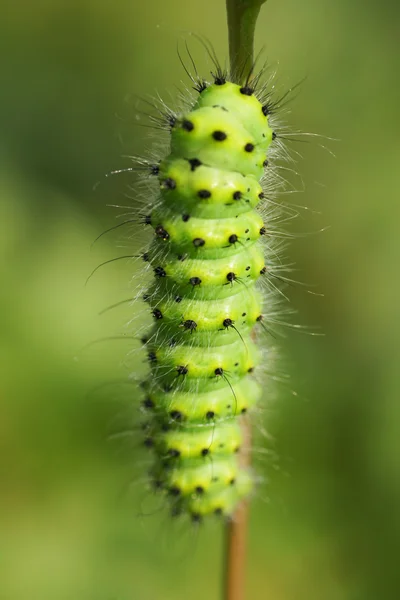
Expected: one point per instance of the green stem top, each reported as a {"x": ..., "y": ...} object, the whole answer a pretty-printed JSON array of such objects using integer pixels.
[{"x": 242, "y": 18}]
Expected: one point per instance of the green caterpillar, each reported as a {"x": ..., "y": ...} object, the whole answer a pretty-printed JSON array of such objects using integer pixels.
[{"x": 207, "y": 258}]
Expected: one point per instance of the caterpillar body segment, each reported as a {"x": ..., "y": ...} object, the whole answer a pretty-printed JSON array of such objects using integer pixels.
[
  {"x": 184, "y": 186},
  {"x": 226, "y": 235},
  {"x": 215, "y": 322},
  {"x": 200, "y": 406},
  {"x": 207, "y": 258},
  {"x": 207, "y": 277}
]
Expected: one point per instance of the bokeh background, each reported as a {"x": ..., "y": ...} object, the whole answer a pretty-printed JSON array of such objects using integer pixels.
[{"x": 327, "y": 524}]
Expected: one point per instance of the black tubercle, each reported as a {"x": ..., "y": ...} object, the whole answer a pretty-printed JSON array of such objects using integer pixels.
[
  {"x": 195, "y": 281},
  {"x": 161, "y": 232},
  {"x": 168, "y": 184},
  {"x": 219, "y": 371},
  {"x": 233, "y": 238},
  {"x": 159, "y": 272},
  {"x": 154, "y": 169},
  {"x": 219, "y": 136},
  {"x": 219, "y": 79},
  {"x": 185, "y": 218},
  {"x": 198, "y": 242},
  {"x": 249, "y": 147},
  {"x": 203, "y": 194},
  {"x": 197, "y": 518},
  {"x": 227, "y": 323},
  {"x": 176, "y": 415},
  {"x": 182, "y": 370},
  {"x": 265, "y": 163},
  {"x": 200, "y": 86},
  {"x": 263, "y": 230},
  {"x": 148, "y": 403},
  {"x": 246, "y": 91},
  {"x": 157, "y": 314},
  {"x": 171, "y": 120},
  {"x": 189, "y": 325},
  {"x": 266, "y": 110},
  {"x": 237, "y": 195},
  {"x": 194, "y": 163},
  {"x": 187, "y": 125}
]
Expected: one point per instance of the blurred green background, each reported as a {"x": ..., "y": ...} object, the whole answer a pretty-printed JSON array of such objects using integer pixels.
[{"x": 327, "y": 524}]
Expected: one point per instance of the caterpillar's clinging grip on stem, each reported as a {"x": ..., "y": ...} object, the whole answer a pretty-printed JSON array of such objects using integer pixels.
[{"x": 207, "y": 258}]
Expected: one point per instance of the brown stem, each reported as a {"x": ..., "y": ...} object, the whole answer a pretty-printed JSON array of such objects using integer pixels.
[{"x": 236, "y": 531}]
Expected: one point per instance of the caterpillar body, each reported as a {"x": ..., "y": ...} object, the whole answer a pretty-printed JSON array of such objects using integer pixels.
[{"x": 207, "y": 259}]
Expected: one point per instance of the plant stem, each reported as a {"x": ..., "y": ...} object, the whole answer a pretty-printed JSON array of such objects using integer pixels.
[
  {"x": 236, "y": 531},
  {"x": 242, "y": 17}
]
